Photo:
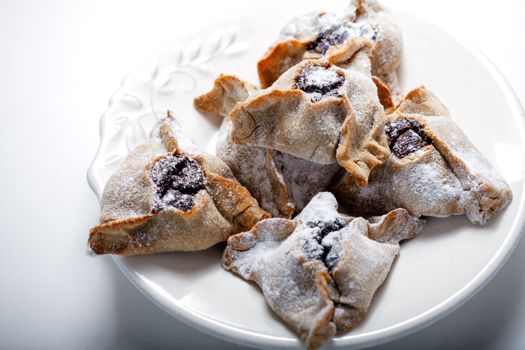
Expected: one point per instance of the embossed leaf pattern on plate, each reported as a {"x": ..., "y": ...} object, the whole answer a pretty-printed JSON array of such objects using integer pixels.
[{"x": 146, "y": 94}]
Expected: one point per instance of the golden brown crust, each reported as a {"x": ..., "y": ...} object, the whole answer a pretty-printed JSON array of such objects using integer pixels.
[
  {"x": 323, "y": 329},
  {"x": 385, "y": 96},
  {"x": 394, "y": 226},
  {"x": 423, "y": 102},
  {"x": 359, "y": 160},
  {"x": 279, "y": 59},
  {"x": 226, "y": 92},
  {"x": 361, "y": 148},
  {"x": 169, "y": 230},
  {"x": 234, "y": 201},
  {"x": 167, "y": 135},
  {"x": 116, "y": 223},
  {"x": 129, "y": 226},
  {"x": 281, "y": 194}
]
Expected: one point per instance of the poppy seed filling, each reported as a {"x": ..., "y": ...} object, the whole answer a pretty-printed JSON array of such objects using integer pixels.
[
  {"x": 320, "y": 82},
  {"x": 177, "y": 180},
  {"x": 314, "y": 248},
  {"x": 405, "y": 136},
  {"x": 339, "y": 34},
  {"x": 327, "y": 39}
]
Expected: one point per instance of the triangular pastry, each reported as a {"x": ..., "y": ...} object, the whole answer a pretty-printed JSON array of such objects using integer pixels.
[
  {"x": 316, "y": 34},
  {"x": 320, "y": 112},
  {"x": 319, "y": 272},
  {"x": 167, "y": 195},
  {"x": 434, "y": 170},
  {"x": 282, "y": 184}
]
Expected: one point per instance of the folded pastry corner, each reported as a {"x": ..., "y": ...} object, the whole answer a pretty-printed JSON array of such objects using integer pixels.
[
  {"x": 433, "y": 170},
  {"x": 319, "y": 272},
  {"x": 167, "y": 195},
  {"x": 385, "y": 95},
  {"x": 316, "y": 34},
  {"x": 226, "y": 92}
]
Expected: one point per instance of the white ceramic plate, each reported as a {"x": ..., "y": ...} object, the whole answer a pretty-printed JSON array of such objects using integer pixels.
[{"x": 434, "y": 274}]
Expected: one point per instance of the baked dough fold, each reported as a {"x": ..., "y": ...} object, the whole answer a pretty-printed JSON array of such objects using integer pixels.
[
  {"x": 319, "y": 272},
  {"x": 167, "y": 195},
  {"x": 319, "y": 111},
  {"x": 437, "y": 172},
  {"x": 281, "y": 183}
]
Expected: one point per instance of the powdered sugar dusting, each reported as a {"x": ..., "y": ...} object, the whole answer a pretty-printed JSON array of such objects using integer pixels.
[
  {"x": 320, "y": 76},
  {"x": 323, "y": 241},
  {"x": 320, "y": 82},
  {"x": 122, "y": 198},
  {"x": 423, "y": 188},
  {"x": 322, "y": 207},
  {"x": 484, "y": 190}
]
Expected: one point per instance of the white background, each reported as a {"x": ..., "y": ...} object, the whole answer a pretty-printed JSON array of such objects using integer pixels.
[{"x": 59, "y": 64}]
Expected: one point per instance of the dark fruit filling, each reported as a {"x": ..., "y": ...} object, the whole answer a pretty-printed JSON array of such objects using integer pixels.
[
  {"x": 313, "y": 248},
  {"x": 326, "y": 226},
  {"x": 177, "y": 180},
  {"x": 319, "y": 81},
  {"x": 338, "y": 35},
  {"x": 405, "y": 136},
  {"x": 327, "y": 39}
]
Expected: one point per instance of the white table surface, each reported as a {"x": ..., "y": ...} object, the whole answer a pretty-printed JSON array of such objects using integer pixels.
[{"x": 60, "y": 62}]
